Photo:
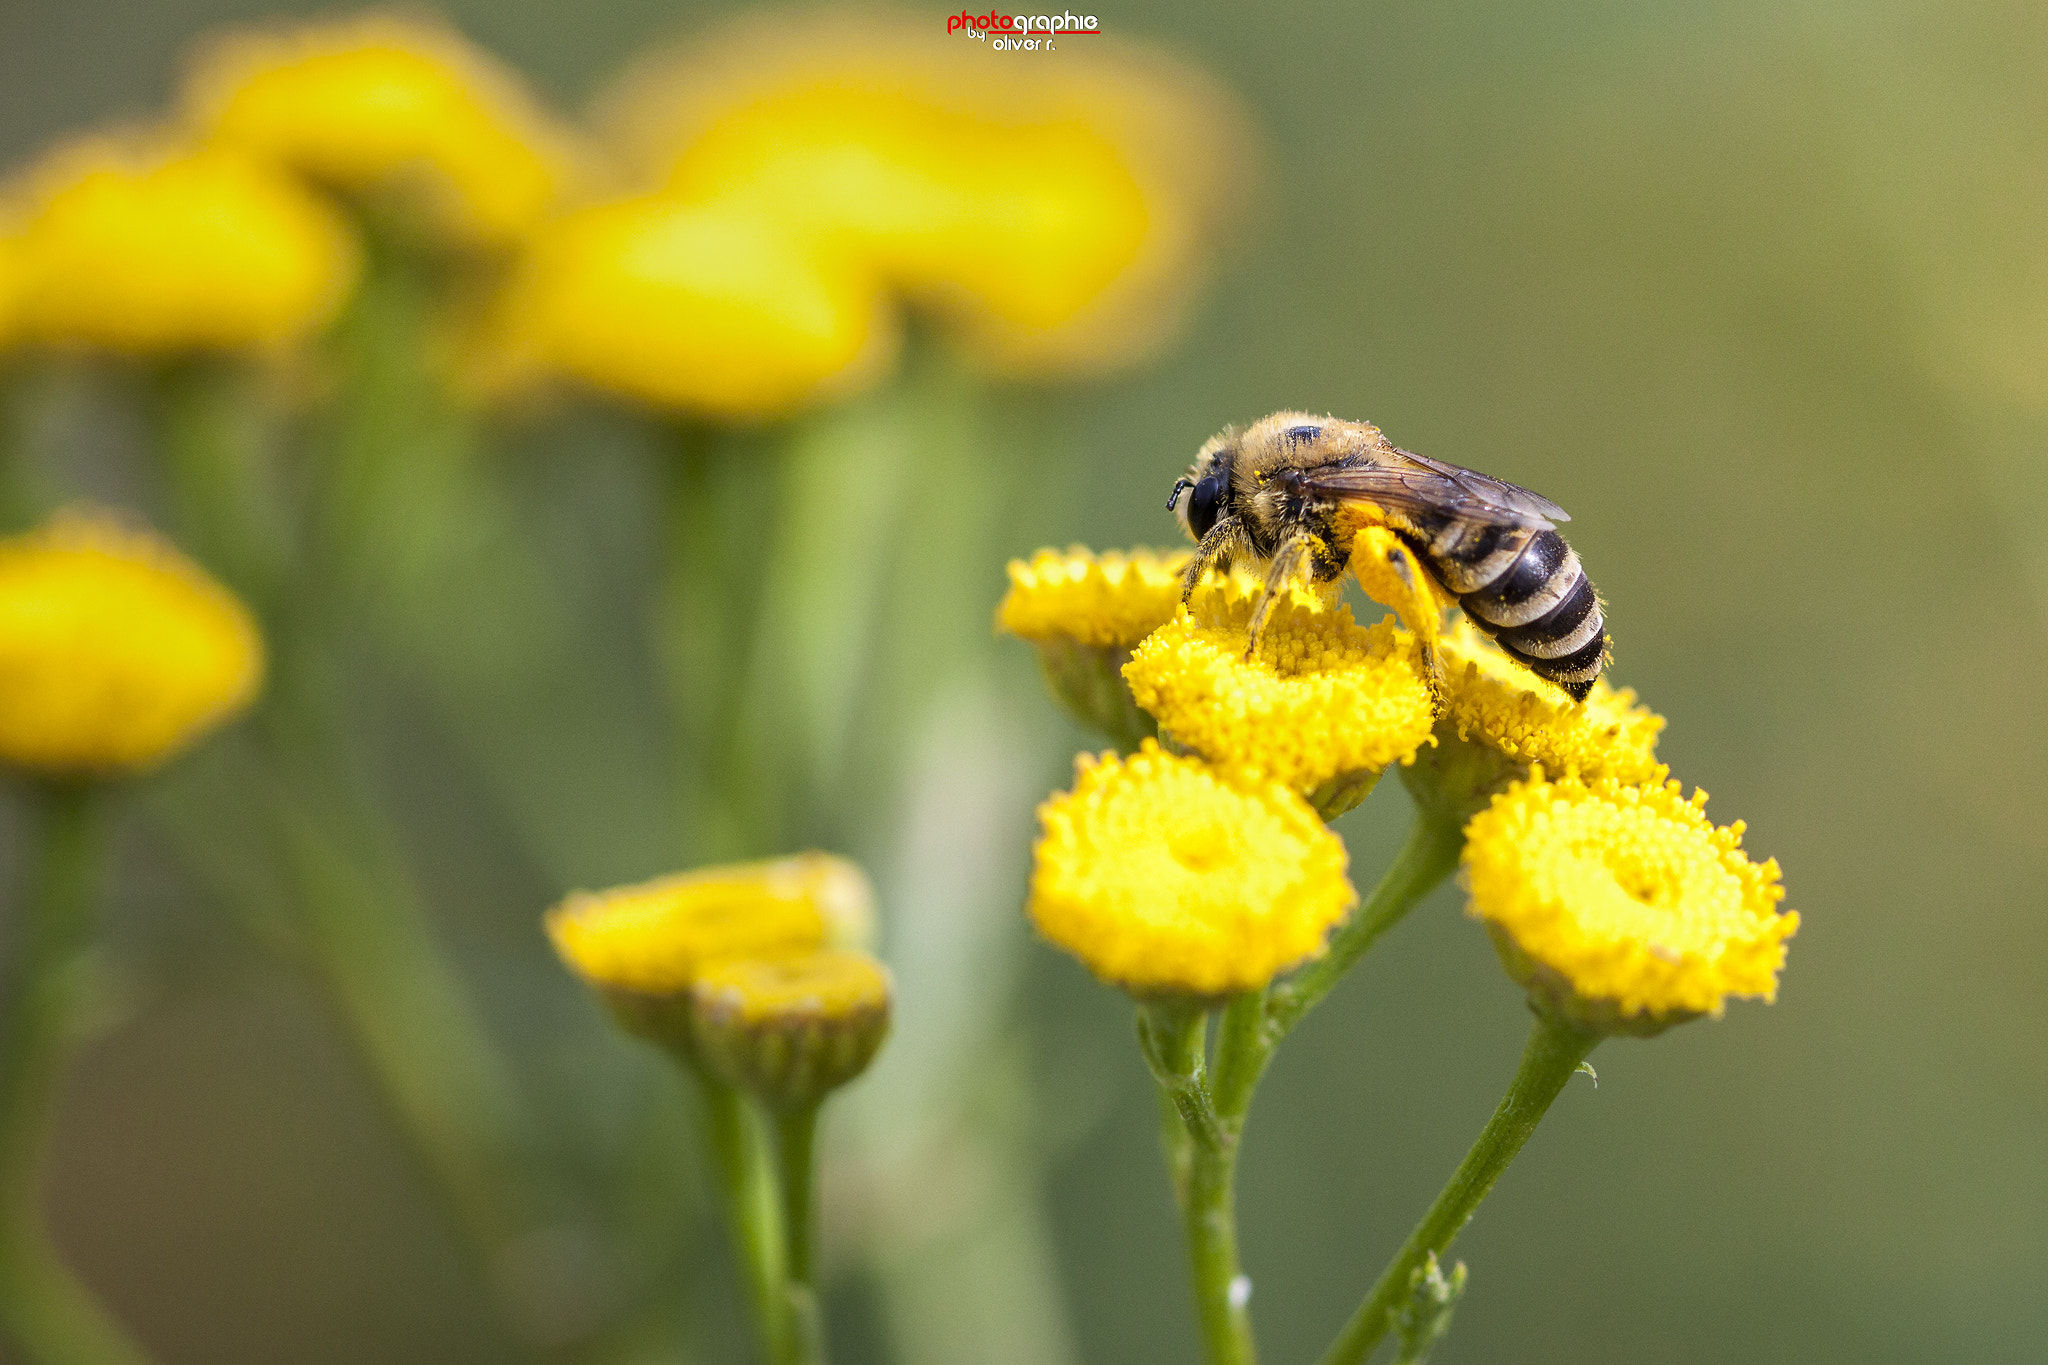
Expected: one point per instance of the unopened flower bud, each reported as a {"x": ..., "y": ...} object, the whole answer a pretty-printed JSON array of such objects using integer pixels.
[
  {"x": 642, "y": 946},
  {"x": 790, "y": 1029}
]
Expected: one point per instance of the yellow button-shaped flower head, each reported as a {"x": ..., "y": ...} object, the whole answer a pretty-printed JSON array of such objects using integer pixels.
[
  {"x": 1056, "y": 218},
  {"x": 145, "y": 249},
  {"x": 712, "y": 310},
  {"x": 790, "y": 1029},
  {"x": 115, "y": 650},
  {"x": 1324, "y": 708},
  {"x": 653, "y": 936},
  {"x": 387, "y": 103},
  {"x": 1622, "y": 908},
  {"x": 1165, "y": 878},
  {"x": 1490, "y": 698},
  {"x": 1084, "y": 612},
  {"x": 1110, "y": 599}
]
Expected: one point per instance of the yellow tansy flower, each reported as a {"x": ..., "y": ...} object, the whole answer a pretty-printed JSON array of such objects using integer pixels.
[
  {"x": 1489, "y": 698},
  {"x": 791, "y": 1028},
  {"x": 1166, "y": 879},
  {"x": 706, "y": 309},
  {"x": 1083, "y": 612},
  {"x": 382, "y": 101},
  {"x": 146, "y": 249},
  {"x": 115, "y": 650},
  {"x": 1111, "y": 599},
  {"x": 653, "y": 937},
  {"x": 1621, "y": 907},
  {"x": 1056, "y": 219},
  {"x": 1325, "y": 706}
]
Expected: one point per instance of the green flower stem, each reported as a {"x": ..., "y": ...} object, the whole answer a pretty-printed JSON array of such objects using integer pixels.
[
  {"x": 1429, "y": 856},
  {"x": 1201, "y": 1148},
  {"x": 412, "y": 1022},
  {"x": 359, "y": 921},
  {"x": 1553, "y": 1053},
  {"x": 716, "y": 560},
  {"x": 1174, "y": 1039},
  {"x": 1254, "y": 1023},
  {"x": 796, "y": 1149},
  {"x": 46, "y": 1316},
  {"x": 1203, "y": 1158},
  {"x": 746, "y": 1179},
  {"x": 208, "y": 433},
  {"x": 18, "y": 500}
]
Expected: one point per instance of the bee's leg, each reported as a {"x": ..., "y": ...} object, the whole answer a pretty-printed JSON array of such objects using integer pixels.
[
  {"x": 1426, "y": 623},
  {"x": 1214, "y": 549},
  {"x": 1288, "y": 562}
]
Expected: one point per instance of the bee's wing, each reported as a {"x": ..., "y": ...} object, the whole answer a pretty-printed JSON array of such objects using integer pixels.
[{"x": 1404, "y": 481}]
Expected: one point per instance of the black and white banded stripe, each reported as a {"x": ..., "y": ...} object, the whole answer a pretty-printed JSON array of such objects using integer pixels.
[{"x": 1525, "y": 588}]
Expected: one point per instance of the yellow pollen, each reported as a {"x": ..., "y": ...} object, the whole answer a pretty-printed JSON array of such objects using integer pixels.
[
  {"x": 1390, "y": 574},
  {"x": 1628, "y": 894},
  {"x": 1164, "y": 878}
]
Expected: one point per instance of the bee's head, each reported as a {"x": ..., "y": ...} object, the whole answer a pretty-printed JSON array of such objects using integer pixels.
[{"x": 1204, "y": 485}]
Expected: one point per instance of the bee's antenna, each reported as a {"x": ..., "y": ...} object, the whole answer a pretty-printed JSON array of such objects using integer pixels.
[{"x": 1180, "y": 485}]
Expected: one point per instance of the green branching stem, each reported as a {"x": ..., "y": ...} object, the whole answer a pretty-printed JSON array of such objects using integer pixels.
[
  {"x": 1203, "y": 1123},
  {"x": 1552, "y": 1056},
  {"x": 46, "y": 1316},
  {"x": 1254, "y": 1025},
  {"x": 1201, "y": 1144}
]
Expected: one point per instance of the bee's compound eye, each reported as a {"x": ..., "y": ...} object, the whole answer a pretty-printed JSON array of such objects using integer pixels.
[{"x": 1202, "y": 505}]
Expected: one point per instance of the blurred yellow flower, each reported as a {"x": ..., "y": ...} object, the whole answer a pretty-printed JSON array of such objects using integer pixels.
[
  {"x": 706, "y": 309},
  {"x": 1490, "y": 698},
  {"x": 1325, "y": 699},
  {"x": 10, "y": 288},
  {"x": 1166, "y": 879},
  {"x": 147, "y": 248},
  {"x": 1621, "y": 907},
  {"x": 653, "y": 937},
  {"x": 791, "y": 1028},
  {"x": 384, "y": 101},
  {"x": 115, "y": 650},
  {"x": 1056, "y": 219},
  {"x": 1111, "y": 599}
]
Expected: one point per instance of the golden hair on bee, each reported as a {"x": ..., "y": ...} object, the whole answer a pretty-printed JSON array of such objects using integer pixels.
[{"x": 1291, "y": 491}]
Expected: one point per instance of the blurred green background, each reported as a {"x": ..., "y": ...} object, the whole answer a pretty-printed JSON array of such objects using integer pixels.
[{"x": 1760, "y": 293}]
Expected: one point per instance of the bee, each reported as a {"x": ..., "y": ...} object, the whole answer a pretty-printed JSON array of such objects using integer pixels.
[{"x": 1291, "y": 491}]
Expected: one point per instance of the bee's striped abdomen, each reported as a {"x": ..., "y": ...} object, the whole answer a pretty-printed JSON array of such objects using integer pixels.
[{"x": 1525, "y": 588}]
